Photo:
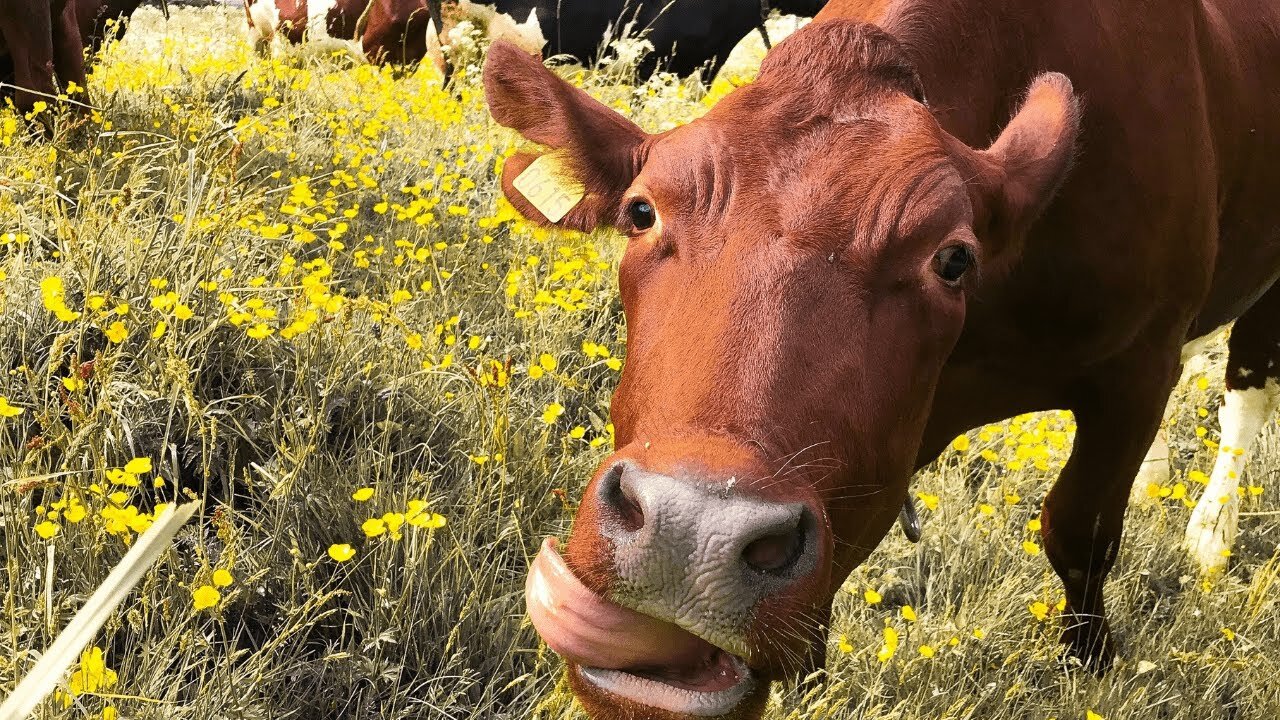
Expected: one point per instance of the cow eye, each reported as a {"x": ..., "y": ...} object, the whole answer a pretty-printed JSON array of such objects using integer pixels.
[
  {"x": 642, "y": 215},
  {"x": 951, "y": 263}
]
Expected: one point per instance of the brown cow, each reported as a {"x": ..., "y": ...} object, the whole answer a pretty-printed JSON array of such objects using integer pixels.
[
  {"x": 296, "y": 20},
  {"x": 42, "y": 46},
  {"x": 393, "y": 31},
  {"x": 88, "y": 17},
  {"x": 825, "y": 281},
  {"x": 93, "y": 16}
]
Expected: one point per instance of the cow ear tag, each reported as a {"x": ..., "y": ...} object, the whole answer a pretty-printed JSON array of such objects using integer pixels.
[{"x": 548, "y": 185}]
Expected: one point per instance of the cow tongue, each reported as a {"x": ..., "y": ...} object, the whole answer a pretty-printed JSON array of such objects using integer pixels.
[{"x": 587, "y": 629}]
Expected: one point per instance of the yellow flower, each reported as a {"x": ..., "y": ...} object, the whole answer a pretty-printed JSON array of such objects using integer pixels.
[
  {"x": 373, "y": 527},
  {"x": 930, "y": 501},
  {"x": 418, "y": 516},
  {"x": 72, "y": 384},
  {"x": 394, "y": 521},
  {"x": 872, "y": 597},
  {"x": 158, "y": 332},
  {"x": 341, "y": 552},
  {"x": 362, "y": 495},
  {"x": 1038, "y": 610},
  {"x": 1030, "y": 548},
  {"x": 908, "y": 613},
  {"x": 552, "y": 412},
  {"x": 843, "y": 645},
  {"x": 222, "y": 578},
  {"x": 1034, "y": 525},
  {"x": 1228, "y": 633},
  {"x": 927, "y": 651},
  {"x": 118, "y": 476},
  {"x": 7, "y": 410},
  {"x": 110, "y": 713},
  {"x": 205, "y": 596},
  {"x": 92, "y": 675},
  {"x": 1091, "y": 715},
  {"x": 961, "y": 443},
  {"x": 138, "y": 466},
  {"x": 890, "y": 645},
  {"x": 46, "y": 529},
  {"x": 547, "y": 362},
  {"x": 979, "y": 633},
  {"x": 117, "y": 332}
]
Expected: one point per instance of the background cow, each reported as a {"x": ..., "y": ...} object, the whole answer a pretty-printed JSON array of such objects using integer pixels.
[
  {"x": 93, "y": 17},
  {"x": 73, "y": 27},
  {"x": 42, "y": 48},
  {"x": 324, "y": 21},
  {"x": 686, "y": 34}
]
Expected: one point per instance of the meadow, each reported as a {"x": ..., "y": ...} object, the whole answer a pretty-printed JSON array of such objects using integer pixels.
[{"x": 288, "y": 288}]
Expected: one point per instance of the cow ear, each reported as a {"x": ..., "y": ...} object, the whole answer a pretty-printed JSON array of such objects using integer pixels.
[
  {"x": 597, "y": 152},
  {"x": 1016, "y": 178}
]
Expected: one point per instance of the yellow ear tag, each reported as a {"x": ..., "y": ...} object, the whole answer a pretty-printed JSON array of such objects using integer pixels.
[{"x": 548, "y": 186}]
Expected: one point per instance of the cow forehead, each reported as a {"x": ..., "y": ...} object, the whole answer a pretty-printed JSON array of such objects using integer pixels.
[{"x": 823, "y": 181}]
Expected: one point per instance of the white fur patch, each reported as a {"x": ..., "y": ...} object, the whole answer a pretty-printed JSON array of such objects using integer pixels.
[
  {"x": 266, "y": 19},
  {"x": 318, "y": 19},
  {"x": 1215, "y": 521},
  {"x": 501, "y": 26}
]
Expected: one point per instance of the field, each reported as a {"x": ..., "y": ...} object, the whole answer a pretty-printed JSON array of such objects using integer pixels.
[{"x": 287, "y": 288}]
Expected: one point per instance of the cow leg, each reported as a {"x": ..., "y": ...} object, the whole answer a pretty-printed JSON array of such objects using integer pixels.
[
  {"x": 68, "y": 47},
  {"x": 29, "y": 36},
  {"x": 1117, "y": 414},
  {"x": 1156, "y": 467},
  {"x": 1252, "y": 397}
]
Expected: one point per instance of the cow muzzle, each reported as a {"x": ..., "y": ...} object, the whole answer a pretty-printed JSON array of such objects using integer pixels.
[{"x": 681, "y": 567}]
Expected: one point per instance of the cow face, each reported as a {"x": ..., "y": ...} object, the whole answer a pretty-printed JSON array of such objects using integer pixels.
[{"x": 796, "y": 274}]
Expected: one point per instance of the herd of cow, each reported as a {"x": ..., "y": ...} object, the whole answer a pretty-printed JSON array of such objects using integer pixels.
[{"x": 43, "y": 43}]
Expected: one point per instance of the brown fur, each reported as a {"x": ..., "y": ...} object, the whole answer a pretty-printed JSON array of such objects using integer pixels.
[
  {"x": 784, "y": 324},
  {"x": 44, "y": 47}
]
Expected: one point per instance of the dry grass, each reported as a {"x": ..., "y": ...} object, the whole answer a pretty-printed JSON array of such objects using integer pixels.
[{"x": 409, "y": 369}]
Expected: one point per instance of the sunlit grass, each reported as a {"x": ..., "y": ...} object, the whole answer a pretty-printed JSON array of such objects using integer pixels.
[{"x": 287, "y": 288}]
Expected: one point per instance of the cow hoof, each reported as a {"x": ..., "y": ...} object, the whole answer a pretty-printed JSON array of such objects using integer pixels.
[{"x": 1090, "y": 642}]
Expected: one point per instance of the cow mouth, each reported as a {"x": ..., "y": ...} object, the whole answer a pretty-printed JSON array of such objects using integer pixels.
[{"x": 629, "y": 654}]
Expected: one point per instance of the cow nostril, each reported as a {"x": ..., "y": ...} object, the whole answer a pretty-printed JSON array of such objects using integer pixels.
[
  {"x": 775, "y": 553},
  {"x": 629, "y": 511},
  {"x": 620, "y": 501}
]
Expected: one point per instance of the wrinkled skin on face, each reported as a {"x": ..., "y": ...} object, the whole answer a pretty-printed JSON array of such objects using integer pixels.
[{"x": 796, "y": 273}]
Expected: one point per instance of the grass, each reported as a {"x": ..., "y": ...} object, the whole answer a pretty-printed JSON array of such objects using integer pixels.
[{"x": 352, "y": 308}]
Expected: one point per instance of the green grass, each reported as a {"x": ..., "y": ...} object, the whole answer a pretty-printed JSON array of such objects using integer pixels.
[{"x": 190, "y": 175}]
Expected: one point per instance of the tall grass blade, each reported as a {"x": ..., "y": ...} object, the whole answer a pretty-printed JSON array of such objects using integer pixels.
[{"x": 48, "y": 672}]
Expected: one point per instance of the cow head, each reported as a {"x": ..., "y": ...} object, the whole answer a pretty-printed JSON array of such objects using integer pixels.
[{"x": 797, "y": 270}]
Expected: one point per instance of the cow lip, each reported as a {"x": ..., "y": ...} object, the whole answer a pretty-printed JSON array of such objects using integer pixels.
[
  {"x": 715, "y": 689},
  {"x": 629, "y": 653}
]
